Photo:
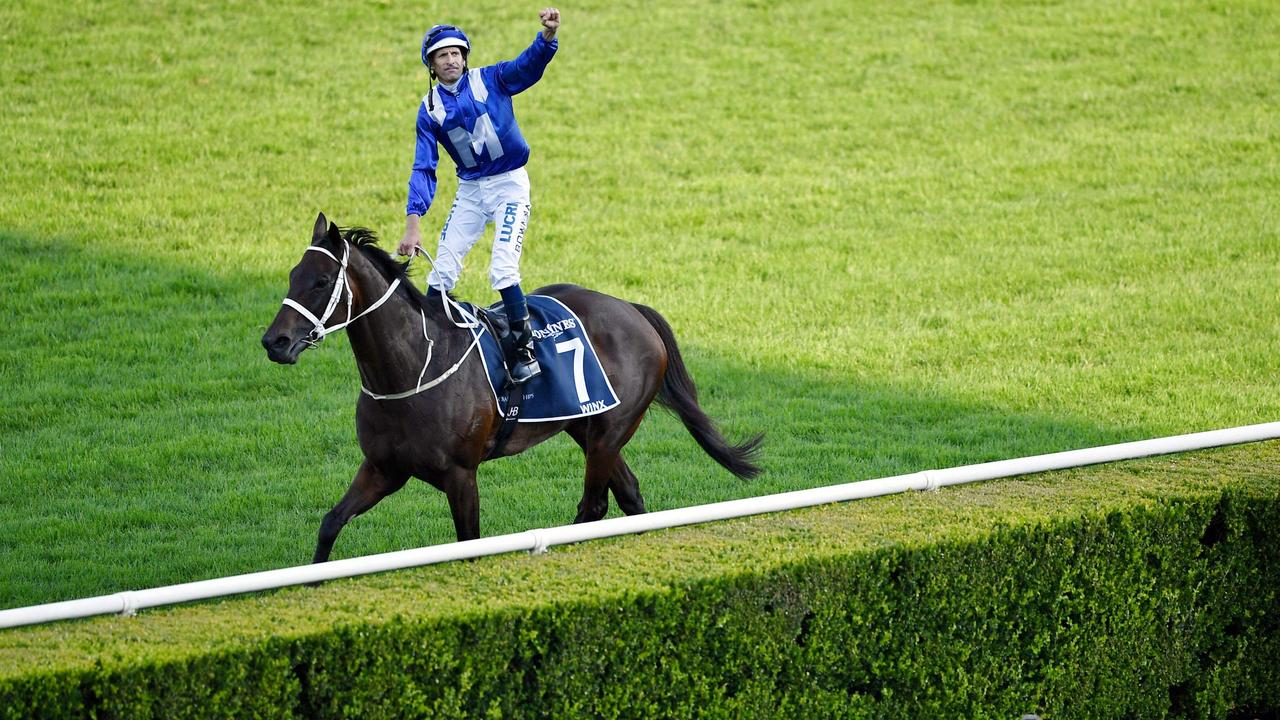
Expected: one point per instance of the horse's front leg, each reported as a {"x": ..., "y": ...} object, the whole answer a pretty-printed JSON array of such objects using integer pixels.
[
  {"x": 369, "y": 486},
  {"x": 459, "y": 485}
]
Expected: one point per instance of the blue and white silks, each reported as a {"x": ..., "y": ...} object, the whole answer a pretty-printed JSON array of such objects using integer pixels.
[{"x": 476, "y": 123}]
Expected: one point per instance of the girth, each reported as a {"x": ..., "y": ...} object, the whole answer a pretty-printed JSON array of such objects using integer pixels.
[{"x": 495, "y": 320}]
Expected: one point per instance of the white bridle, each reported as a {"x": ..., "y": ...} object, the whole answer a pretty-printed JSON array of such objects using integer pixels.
[
  {"x": 339, "y": 285},
  {"x": 320, "y": 330}
]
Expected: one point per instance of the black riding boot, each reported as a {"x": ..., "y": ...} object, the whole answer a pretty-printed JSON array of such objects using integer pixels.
[{"x": 519, "y": 348}]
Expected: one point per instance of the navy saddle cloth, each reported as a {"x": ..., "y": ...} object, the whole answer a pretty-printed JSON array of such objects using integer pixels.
[{"x": 572, "y": 383}]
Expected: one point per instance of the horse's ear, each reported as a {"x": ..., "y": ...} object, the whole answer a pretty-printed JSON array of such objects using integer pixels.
[
  {"x": 334, "y": 234},
  {"x": 317, "y": 232}
]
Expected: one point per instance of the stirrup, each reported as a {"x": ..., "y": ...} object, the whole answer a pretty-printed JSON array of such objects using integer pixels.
[{"x": 524, "y": 366}]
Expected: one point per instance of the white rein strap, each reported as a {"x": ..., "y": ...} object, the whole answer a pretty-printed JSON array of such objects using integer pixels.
[
  {"x": 340, "y": 284},
  {"x": 425, "y": 386}
]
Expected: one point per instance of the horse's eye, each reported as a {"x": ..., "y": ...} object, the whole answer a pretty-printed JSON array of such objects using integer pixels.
[{"x": 321, "y": 281}]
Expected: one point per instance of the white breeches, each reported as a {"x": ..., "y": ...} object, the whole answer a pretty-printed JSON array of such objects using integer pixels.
[{"x": 502, "y": 200}]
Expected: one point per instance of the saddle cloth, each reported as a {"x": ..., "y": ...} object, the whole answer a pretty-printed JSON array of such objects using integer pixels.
[{"x": 572, "y": 383}]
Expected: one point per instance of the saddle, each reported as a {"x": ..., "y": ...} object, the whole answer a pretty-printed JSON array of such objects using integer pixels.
[{"x": 572, "y": 384}]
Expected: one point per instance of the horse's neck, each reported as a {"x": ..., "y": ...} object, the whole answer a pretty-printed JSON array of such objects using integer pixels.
[{"x": 389, "y": 343}]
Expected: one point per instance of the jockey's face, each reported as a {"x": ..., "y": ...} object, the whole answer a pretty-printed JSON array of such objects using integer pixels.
[{"x": 448, "y": 64}]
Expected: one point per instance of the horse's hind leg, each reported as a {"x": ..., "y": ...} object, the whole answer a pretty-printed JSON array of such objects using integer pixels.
[
  {"x": 606, "y": 470},
  {"x": 601, "y": 463},
  {"x": 369, "y": 486},
  {"x": 626, "y": 488}
]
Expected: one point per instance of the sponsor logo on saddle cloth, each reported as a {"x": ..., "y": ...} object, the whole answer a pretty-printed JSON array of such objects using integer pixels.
[{"x": 572, "y": 383}]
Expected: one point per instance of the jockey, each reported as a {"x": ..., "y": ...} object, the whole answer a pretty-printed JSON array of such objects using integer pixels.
[{"x": 469, "y": 113}]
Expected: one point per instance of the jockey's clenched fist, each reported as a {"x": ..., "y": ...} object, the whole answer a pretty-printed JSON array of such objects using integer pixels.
[{"x": 550, "y": 18}]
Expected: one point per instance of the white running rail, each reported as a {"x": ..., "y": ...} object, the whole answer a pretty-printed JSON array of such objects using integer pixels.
[{"x": 537, "y": 541}]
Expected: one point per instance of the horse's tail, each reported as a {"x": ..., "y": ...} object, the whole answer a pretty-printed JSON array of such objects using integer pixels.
[{"x": 679, "y": 395}]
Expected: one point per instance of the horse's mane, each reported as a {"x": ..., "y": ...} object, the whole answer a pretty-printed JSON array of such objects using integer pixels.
[{"x": 366, "y": 241}]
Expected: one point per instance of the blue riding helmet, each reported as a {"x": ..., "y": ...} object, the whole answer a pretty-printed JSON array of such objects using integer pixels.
[{"x": 443, "y": 36}]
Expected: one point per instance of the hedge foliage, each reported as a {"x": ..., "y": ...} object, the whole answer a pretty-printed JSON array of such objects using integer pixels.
[{"x": 1140, "y": 590}]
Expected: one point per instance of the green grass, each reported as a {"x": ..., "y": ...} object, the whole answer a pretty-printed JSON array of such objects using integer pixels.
[{"x": 895, "y": 237}]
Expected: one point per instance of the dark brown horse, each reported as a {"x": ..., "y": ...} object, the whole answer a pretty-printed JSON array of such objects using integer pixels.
[{"x": 427, "y": 411}]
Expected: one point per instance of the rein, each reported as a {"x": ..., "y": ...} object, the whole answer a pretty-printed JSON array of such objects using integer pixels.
[{"x": 319, "y": 331}]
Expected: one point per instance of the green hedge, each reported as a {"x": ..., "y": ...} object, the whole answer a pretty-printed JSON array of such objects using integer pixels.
[{"x": 1140, "y": 590}]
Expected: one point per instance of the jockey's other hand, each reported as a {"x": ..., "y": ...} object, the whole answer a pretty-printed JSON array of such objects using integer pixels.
[{"x": 411, "y": 242}]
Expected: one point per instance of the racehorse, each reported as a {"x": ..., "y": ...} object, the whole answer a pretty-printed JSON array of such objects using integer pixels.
[{"x": 426, "y": 410}]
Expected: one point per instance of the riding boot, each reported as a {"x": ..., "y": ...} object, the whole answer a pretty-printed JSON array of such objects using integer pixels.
[{"x": 519, "y": 347}]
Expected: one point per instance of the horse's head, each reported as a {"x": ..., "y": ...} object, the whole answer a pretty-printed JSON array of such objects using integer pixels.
[{"x": 315, "y": 290}]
